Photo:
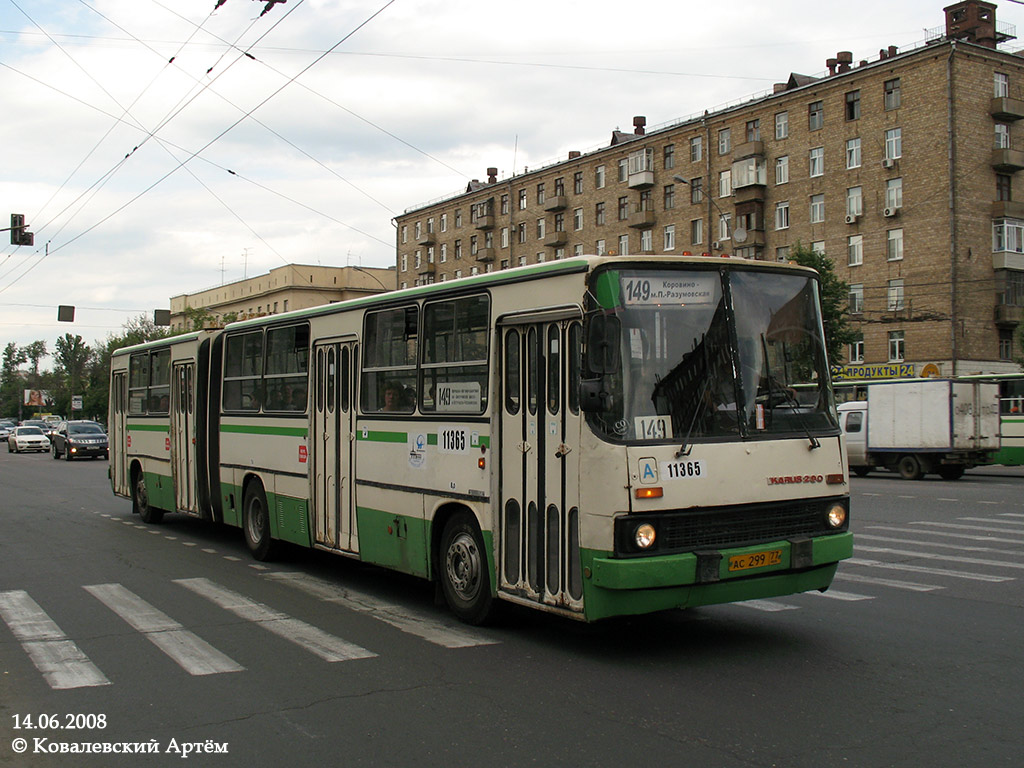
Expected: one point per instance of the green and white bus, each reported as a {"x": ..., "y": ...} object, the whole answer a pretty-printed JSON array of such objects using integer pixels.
[{"x": 595, "y": 436}]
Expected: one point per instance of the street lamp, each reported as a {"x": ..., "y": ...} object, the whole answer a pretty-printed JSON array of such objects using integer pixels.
[{"x": 737, "y": 236}]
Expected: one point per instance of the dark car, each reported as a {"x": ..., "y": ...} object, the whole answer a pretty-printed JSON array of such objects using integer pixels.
[{"x": 73, "y": 439}]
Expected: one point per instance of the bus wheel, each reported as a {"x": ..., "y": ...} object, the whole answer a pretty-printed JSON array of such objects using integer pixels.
[
  {"x": 140, "y": 501},
  {"x": 256, "y": 522},
  {"x": 910, "y": 468},
  {"x": 465, "y": 580}
]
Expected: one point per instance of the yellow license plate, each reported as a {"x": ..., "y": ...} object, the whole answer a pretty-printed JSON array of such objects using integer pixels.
[{"x": 755, "y": 560}]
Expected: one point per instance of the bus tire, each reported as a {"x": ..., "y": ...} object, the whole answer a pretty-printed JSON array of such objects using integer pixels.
[
  {"x": 140, "y": 500},
  {"x": 909, "y": 467},
  {"x": 465, "y": 580},
  {"x": 256, "y": 522}
]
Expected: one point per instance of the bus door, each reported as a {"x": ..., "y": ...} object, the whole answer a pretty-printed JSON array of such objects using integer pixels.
[
  {"x": 183, "y": 436},
  {"x": 333, "y": 433},
  {"x": 539, "y": 554},
  {"x": 117, "y": 431}
]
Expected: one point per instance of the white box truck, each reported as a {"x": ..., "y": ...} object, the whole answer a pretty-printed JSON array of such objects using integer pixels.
[{"x": 927, "y": 425}]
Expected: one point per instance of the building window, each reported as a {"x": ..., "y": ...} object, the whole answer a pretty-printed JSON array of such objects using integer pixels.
[
  {"x": 599, "y": 177},
  {"x": 599, "y": 248},
  {"x": 856, "y": 298},
  {"x": 782, "y": 170},
  {"x": 444, "y": 250},
  {"x": 782, "y": 253},
  {"x": 892, "y": 94},
  {"x": 818, "y": 246},
  {"x": 670, "y": 196},
  {"x": 540, "y": 193},
  {"x": 577, "y": 219},
  {"x": 577, "y": 250},
  {"x": 624, "y": 169},
  {"x": 444, "y": 221},
  {"x": 542, "y": 226},
  {"x": 894, "y": 143},
  {"x": 670, "y": 237},
  {"x": 599, "y": 214},
  {"x": 405, "y": 262},
  {"x": 504, "y": 207},
  {"x": 458, "y": 249},
  {"x": 696, "y": 190},
  {"x": 724, "y": 141},
  {"x": 560, "y": 186},
  {"x": 623, "y": 245},
  {"x": 458, "y": 218},
  {"x": 855, "y": 250},
  {"x": 405, "y": 233},
  {"x": 669, "y": 156},
  {"x": 894, "y": 245},
  {"x": 504, "y": 238},
  {"x": 854, "y": 201},
  {"x": 894, "y": 293},
  {"x": 753, "y": 130},
  {"x": 782, "y": 125},
  {"x": 817, "y": 209},
  {"x": 697, "y": 231},
  {"x": 647, "y": 240},
  {"x": 696, "y": 149},
  {"x": 853, "y": 105},
  {"x": 640, "y": 161},
  {"x": 817, "y": 162},
  {"x": 857, "y": 351},
  {"x": 1004, "y": 187},
  {"x": 747, "y": 172},
  {"x": 1002, "y": 137},
  {"x": 559, "y": 222},
  {"x": 894, "y": 193},
  {"x": 724, "y": 183},
  {"x": 577, "y": 183},
  {"x": 782, "y": 215},
  {"x": 521, "y": 232},
  {"x": 623, "y": 208},
  {"x": 1005, "y": 344},
  {"x": 725, "y": 226},
  {"x": 815, "y": 115},
  {"x": 853, "y": 153},
  {"x": 897, "y": 351},
  {"x": 522, "y": 200},
  {"x": 1008, "y": 235},
  {"x": 418, "y": 230},
  {"x": 1001, "y": 85}
]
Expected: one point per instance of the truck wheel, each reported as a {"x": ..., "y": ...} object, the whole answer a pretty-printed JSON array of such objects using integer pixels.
[
  {"x": 861, "y": 471},
  {"x": 951, "y": 471},
  {"x": 910, "y": 468}
]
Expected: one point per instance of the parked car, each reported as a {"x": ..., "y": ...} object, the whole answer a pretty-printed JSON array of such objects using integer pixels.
[
  {"x": 74, "y": 439},
  {"x": 27, "y": 439}
]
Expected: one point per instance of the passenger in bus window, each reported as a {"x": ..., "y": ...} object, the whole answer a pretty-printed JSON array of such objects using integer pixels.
[{"x": 393, "y": 392}]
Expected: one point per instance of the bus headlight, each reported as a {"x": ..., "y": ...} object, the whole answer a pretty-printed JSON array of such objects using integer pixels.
[
  {"x": 836, "y": 516},
  {"x": 644, "y": 536}
]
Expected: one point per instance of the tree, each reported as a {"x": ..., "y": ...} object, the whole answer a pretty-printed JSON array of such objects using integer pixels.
[
  {"x": 137, "y": 330},
  {"x": 10, "y": 381},
  {"x": 71, "y": 355},
  {"x": 35, "y": 352},
  {"x": 197, "y": 318},
  {"x": 835, "y": 296}
]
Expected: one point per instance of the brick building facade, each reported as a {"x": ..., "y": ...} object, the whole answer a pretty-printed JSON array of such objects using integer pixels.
[{"x": 903, "y": 169}]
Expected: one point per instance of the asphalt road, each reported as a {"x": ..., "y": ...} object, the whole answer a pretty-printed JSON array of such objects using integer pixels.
[{"x": 178, "y": 638}]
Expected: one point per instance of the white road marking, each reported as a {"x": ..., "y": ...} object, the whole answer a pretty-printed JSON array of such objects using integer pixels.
[
  {"x": 943, "y": 558},
  {"x": 925, "y": 569},
  {"x": 938, "y": 545},
  {"x": 188, "y": 650},
  {"x": 969, "y": 537},
  {"x": 912, "y": 586},
  {"x": 326, "y": 646},
  {"x": 61, "y": 661},
  {"x": 836, "y": 594},
  {"x": 769, "y": 606},
  {"x": 414, "y": 623}
]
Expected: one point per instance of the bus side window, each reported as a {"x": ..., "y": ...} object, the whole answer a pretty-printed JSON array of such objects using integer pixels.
[{"x": 389, "y": 360}]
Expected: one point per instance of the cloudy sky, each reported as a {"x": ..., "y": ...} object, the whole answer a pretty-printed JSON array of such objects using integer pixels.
[{"x": 159, "y": 147}]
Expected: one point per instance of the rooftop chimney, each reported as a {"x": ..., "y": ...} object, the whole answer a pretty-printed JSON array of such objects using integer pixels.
[
  {"x": 573, "y": 154},
  {"x": 973, "y": 21},
  {"x": 844, "y": 59},
  {"x": 638, "y": 125},
  {"x": 492, "y": 175}
]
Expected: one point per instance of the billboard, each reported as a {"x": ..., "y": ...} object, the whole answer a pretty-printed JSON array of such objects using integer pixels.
[{"x": 37, "y": 398}]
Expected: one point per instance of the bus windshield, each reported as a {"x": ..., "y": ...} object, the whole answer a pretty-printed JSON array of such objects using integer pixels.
[{"x": 715, "y": 354}]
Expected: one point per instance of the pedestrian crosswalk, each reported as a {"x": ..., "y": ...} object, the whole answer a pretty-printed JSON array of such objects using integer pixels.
[
  {"x": 932, "y": 555},
  {"x": 64, "y": 665}
]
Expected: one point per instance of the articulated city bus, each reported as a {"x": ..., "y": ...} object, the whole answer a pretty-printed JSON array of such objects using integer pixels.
[{"x": 595, "y": 436}]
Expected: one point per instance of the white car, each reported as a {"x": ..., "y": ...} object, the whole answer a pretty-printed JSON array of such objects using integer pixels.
[{"x": 27, "y": 439}]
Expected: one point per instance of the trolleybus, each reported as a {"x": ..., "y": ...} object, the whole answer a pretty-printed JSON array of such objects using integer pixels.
[{"x": 595, "y": 436}]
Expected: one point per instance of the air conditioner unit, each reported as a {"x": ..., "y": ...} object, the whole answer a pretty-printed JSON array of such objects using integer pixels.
[
  {"x": 890, "y": 212},
  {"x": 714, "y": 245},
  {"x": 851, "y": 218},
  {"x": 888, "y": 163}
]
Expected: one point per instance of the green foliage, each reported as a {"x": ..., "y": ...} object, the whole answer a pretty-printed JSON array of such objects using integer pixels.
[
  {"x": 835, "y": 295},
  {"x": 197, "y": 319}
]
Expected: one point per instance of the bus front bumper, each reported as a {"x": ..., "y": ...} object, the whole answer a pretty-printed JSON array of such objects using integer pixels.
[{"x": 617, "y": 586}]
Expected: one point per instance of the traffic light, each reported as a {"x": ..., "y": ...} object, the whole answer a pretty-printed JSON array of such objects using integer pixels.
[{"x": 18, "y": 234}]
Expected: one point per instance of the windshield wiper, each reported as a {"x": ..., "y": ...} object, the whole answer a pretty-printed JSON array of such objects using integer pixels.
[{"x": 787, "y": 397}]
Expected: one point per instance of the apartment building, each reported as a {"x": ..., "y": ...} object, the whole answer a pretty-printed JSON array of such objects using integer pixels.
[
  {"x": 904, "y": 168},
  {"x": 293, "y": 286}
]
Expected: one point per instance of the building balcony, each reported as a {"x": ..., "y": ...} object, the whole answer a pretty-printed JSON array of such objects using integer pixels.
[
  {"x": 556, "y": 203},
  {"x": 1007, "y": 160},
  {"x": 1006, "y": 109},
  {"x": 749, "y": 193},
  {"x": 641, "y": 219},
  {"x": 1008, "y": 315},
  {"x": 426, "y": 268},
  {"x": 556, "y": 239},
  {"x": 748, "y": 149},
  {"x": 484, "y": 221},
  {"x": 426, "y": 238},
  {"x": 641, "y": 180},
  {"x": 1008, "y": 260},
  {"x": 484, "y": 254},
  {"x": 1007, "y": 209}
]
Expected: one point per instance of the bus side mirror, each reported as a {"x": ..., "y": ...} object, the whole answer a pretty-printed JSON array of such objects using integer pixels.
[
  {"x": 594, "y": 396},
  {"x": 603, "y": 344}
]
